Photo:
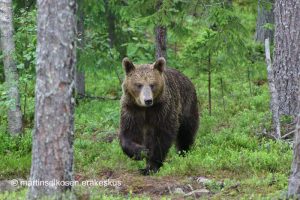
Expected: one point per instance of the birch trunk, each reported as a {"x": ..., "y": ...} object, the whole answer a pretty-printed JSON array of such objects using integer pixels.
[
  {"x": 10, "y": 68},
  {"x": 52, "y": 151},
  {"x": 273, "y": 92}
]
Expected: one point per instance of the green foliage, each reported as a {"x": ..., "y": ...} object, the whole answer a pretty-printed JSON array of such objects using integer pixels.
[
  {"x": 229, "y": 147},
  {"x": 221, "y": 39},
  {"x": 15, "y": 153},
  {"x": 25, "y": 39}
]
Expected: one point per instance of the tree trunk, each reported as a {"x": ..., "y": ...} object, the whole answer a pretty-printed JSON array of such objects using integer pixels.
[
  {"x": 27, "y": 4},
  {"x": 274, "y": 95},
  {"x": 79, "y": 73},
  {"x": 160, "y": 37},
  {"x": 209, "y": 83},
  {"x": 286, "y": 55},
  {"x": 52, "y": 150},
  {"x": 294, "y": 181},
  {"x": 10, "y": 68},
  {"x": 111, "y": 24},
  {"x": 161, "y": 41},
  {"x": 264, "y": 15},
  {"x": 80, "y": 82}
]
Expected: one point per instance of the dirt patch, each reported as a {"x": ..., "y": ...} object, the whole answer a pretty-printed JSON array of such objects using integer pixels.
[
  {"x": 133, "y": 183},
  {"x": 156, "y": 187}
]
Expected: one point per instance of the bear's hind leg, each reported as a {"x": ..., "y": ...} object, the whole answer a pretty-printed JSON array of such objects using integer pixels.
[{"x": 186, "y": 134}]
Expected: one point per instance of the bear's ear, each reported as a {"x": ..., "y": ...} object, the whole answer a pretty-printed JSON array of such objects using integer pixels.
[
  {"x": 160, "y": 64},
  {"x": 127, "y": 65}
]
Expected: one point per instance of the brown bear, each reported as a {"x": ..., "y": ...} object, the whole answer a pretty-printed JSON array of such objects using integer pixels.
[{"x": 158, "y": 107}]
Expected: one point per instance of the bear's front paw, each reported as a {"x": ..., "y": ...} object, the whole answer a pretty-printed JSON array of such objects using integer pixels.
[
  {"x": 143, "y": 153},
  {"x": 148, "y": 171},
  {"x": 145, "y": 172}
]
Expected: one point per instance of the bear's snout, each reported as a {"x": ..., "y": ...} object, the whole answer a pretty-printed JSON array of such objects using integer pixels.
[
  {"x": 146, "y": 96},
  {"x": 148, "y": 102}
]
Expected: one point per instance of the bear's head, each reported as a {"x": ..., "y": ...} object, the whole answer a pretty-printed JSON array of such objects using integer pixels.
[{"x": 144, "y": 83}]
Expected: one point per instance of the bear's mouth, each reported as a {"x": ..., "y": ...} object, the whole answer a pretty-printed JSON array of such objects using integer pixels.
[{"x": 145, "y": 103}]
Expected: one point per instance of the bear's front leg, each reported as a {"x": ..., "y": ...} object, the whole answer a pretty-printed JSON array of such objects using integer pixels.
[
  {"x": 158, "y": 144},
  {"x": 132, "y": 149},
  {"x": 131, "y": 135}
]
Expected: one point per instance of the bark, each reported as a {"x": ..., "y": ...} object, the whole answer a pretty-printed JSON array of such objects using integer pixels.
[
  {"x": 80, "y": 24},
  {"x": 287, "y": 55},
  {"x": 294, "y": 181},
  {"x": 111, "y": 24},
  {"x": 274, "y": 95},
  {"x": 160, "y": 37},
  {"x": 80, "y": 82},
  {"x": 79, "y": 73},
  {"x": 10, "y": 68},
  {"x": 161, "y": 41},
  {"x": 209, "y": 83},
  {"x": 52, "y": 151},
  {"x": 264, "y": 15},
  {"x": 27, "y": 4}
]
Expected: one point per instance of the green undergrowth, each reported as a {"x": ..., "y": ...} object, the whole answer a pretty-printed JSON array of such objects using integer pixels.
[{"x": 228, "y": 146}]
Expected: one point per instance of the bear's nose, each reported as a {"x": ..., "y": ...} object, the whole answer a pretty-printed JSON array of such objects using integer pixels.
[{"x": 148, "y": 102}]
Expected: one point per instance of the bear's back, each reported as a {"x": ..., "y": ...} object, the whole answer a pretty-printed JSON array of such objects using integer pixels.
[
  {"x": 181, "y": 90},
  {"x": 178, "y": 82}
]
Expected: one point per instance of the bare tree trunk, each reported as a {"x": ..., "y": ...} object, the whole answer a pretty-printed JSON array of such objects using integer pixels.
[
  {"x": 294, "y": 181},
  {"x": 274, "y": 95},
  {"x": 111, "y": 24},
  {"x": 27, "y": 4},
  {"x": 10, "y": 69},
  {"x": 209, "y": 82},
  {"x": 286, "y": 55},
  {"x": 161, "y": 41},
  {"x": 160, "y": 37},
  {"x": 79, "y": 73},
  {"x": 80, "y": 82},
  {"x": 264, "y": 15},
  {"x": 52, "y": 150}
]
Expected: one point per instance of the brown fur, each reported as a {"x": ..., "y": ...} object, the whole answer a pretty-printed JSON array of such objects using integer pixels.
[{"x": 148, "y": 132}]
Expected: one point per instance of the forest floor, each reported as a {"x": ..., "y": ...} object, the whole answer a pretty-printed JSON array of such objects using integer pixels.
[{"x": 231, "y": 158}]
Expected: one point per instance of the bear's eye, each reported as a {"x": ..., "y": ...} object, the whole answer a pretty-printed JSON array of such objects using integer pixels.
[
  {"x": 138, "y": 85},
  {"x": 152, "y": 86}
]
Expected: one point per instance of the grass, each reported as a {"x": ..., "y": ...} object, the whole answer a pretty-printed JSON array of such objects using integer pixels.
[{"x": 228, "y": 147}]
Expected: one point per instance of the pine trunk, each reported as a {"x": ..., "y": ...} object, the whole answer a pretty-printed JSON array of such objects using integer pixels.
[
  {"x": 80, "y": 82},
  {"x": 161, "y": 41},
  {"x": 10, "y": 68},
  {"x": 79, "y": 73},
  {"x": 52, "y": 151},
  {"x": 286, "y": 55},
  {"x": 294, "y": 181},
  {"x": 160, "y": 37},
  {"x": 264, "y": 15},
  {"x": 209, "y": 82},
  {"x": 111, "y": 24}
]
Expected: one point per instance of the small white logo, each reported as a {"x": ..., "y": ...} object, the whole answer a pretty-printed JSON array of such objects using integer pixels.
[{"x": 14, "y": 182}]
